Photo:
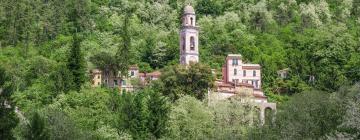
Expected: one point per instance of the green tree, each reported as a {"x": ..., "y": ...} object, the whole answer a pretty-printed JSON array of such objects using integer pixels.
[
  {"x": 190, "y": 119},
  {"x": 234, "y": 118},
  {"x": 311, "y": 114},
  {"x": 194, "y": 80},
  {"x": 209, "y": 7},
  {"x": 76, "y": 64},
  {"x": 350, "y": 126},
  {"x": 61, "y": 126},
  {"x": 133, "y": 115},
  {"x": 8, "y": 117},
  {"x": 122, "y": 55},
  {"x": 143, "y": 114},
  {"x": 159, "y": 108},
  {"x": 37, "y": 128},
  {"x": 104, "y": 61}
]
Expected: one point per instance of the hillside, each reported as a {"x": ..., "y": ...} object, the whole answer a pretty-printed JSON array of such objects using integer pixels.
[{"x": 49, "y": 47}]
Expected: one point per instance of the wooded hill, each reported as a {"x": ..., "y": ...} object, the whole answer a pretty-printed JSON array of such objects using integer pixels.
[{"x": 48, "y": 46}]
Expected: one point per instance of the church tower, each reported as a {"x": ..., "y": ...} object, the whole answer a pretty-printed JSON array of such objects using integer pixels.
[{"x": 189, "y": 41}]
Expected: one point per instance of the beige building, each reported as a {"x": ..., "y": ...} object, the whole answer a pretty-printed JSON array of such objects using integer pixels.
[{"x": 114, "y": 80}]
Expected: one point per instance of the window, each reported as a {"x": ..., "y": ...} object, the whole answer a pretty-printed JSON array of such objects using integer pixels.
[
  {"x": 235, "y": 81},
  {"x": 235, "y": 71},
  {"x": 123, "y": 82},
  {"x": 254, "y": 73},
  {"x": 106, "y": 81},
  {"x": 132, "y": 73},
  {"x": 115, "y": 82},
  {"x": 98, "y": 83},
  {"x": 192, "y": 43},
  {"x": 235, "y": 62},
  {"x": 244, "y": 73},
  {"x": 98, "y": 77}
]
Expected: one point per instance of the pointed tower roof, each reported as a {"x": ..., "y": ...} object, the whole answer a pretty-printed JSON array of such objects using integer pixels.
[{"x": 189, "y": 10}]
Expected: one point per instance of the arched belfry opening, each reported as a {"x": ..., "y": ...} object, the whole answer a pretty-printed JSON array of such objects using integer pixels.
[
  {"x": 192, "y": 43},
  {"x": 192, "y": 21}
]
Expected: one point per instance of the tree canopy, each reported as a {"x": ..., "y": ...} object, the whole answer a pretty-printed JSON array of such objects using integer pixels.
[{"x": 47, "y": 48}]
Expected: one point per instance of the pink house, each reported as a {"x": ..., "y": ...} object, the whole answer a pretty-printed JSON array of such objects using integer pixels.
[
  {"x": 236, "y": 71},
  {"x": 239, "y": 77}
]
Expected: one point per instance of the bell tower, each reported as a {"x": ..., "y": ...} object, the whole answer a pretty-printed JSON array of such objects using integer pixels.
[{"x": 189, "y": 41}]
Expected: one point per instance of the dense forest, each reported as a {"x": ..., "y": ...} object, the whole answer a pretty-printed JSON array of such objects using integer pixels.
[{"x": 47, "y": 48}]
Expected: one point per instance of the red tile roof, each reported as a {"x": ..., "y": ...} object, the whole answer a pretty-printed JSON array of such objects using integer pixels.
[
  {"x": 244, "y": 85},
  {"x": 251, "y": 67},
  {"x": 133, "y": 67},
  {"x": 155, "y": 73},
  {"x": 259, "y": 96},
  {"x": 225, "y": 85}
]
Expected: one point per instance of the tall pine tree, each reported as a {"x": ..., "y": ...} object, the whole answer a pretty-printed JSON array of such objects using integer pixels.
[
  {"x": 159, "y": 109},
  {"x": 76, "y": 64},
  {"x": 79, "y": 16}
]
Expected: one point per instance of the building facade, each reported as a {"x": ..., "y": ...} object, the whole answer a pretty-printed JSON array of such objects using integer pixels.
[
  {"x": 114, "y": 80},
  {"x": 236, "y": 71}
]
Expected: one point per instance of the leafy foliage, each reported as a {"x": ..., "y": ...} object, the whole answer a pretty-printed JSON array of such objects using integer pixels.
[
  {"x": 7, "y": 115},
  {"x": 144, "y": 114},
  {"x": 37, "y": 128},
  {"x": 46, "y": 48},
  {"x": 194, "y": 80}
]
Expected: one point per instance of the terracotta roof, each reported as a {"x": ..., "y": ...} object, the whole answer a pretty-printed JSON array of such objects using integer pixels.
[
  {"x": 259, "y": 96},
  {"x": 141, "y": 74},
  {"x": 233, "y": 56},
  {"x": 245, "y": 85},
  {"x": 226, "y": 91},
  {"x": 95, "y": 71},
  {"x": 155, "y": 73},
  {"x": 225, "y": 85},
  {"x": 251, "y": 67},
  {"x": 133, "y": 67}
]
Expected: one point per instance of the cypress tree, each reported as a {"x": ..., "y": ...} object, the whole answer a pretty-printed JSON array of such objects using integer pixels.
[
  {"x": 159, "y": 109},
  {"x": 76, "y": 64}
]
